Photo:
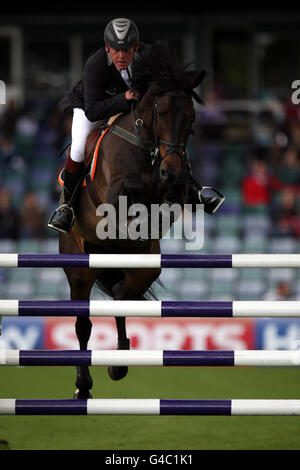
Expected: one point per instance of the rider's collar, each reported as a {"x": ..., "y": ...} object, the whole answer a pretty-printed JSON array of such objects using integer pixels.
[{"x": 108, "y": 58}]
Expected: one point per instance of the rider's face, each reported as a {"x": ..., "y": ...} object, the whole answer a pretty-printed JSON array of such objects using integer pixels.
[{"x": 121, "y": 58}]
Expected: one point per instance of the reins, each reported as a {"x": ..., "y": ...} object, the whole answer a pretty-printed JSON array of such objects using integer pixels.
[{"x": 152, "y": 149}]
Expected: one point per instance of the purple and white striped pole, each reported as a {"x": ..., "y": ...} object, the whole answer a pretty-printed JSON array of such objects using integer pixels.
[
  {"x": 167, "y": 358},
  {"x": 137, "y": 308},
  {"x": 150, "y": 260},
  {"x": 150, "y": 407}
]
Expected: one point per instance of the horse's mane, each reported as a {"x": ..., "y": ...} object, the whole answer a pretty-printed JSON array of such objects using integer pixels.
[{"x": 156, "y": 66}]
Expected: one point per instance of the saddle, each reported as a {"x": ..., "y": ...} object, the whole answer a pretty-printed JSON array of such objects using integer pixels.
[{"x": 90, "y": 160}]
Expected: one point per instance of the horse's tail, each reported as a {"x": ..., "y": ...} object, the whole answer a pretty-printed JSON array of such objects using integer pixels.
[
  {"x": 106, "y": 280},
  {"x": 110, "y": 277}
]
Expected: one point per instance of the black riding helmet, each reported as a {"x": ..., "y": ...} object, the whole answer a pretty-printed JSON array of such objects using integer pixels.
[{"x": 121, "y": 33}]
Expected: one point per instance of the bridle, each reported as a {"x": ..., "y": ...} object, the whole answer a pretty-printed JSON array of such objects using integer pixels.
[{"x": 152, "y": 148}]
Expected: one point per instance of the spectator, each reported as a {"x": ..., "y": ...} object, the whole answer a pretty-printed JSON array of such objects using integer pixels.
[
  {"x": 9, "y": 118},
  {"x": 295, "y": 132},
  {"x": 27, "y": 127},
  {"x": 9, "y": 156},
  {"x": 7, "y": 149},
  {"x": 289, "y": 167},
  {"x": 33, "y": 218},
  {"x": 291, "y": 110},
  {"x": 282, "y": 291},
  {"x": 259, "y": 185},
  {"x": 9, "y": 218},
  {"x": 211, "y": 118},
  {"x": 287, "y": 221},
  {"x": 265, "y": 128}
]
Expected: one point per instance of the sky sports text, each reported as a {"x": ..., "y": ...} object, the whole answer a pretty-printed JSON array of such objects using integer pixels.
[{"x": 147, "y": 334}]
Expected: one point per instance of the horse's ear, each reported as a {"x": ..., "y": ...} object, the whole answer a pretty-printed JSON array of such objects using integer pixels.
[
  {"x": 192, "y": 80},
  {"x": 194, "y": 77}
]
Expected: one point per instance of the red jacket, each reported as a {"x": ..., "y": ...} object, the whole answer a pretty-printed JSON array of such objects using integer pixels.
[{"x": 259, "y": 191}]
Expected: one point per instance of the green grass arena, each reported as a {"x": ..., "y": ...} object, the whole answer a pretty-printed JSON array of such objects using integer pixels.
[{"x": 152, "y": 432}]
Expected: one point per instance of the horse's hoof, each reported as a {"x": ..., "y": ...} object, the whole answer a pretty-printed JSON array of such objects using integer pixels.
[
  {"x": 82, "y": 394},
  {"x": 124, "y": 344},
  {"x": 84, "y": 380},
  {"x": 117, "y": 372}
]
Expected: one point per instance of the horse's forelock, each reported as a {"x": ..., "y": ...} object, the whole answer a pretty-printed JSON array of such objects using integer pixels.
[
  {"x": 159, "y": 90},
  {"x": 158, "y": 71}
]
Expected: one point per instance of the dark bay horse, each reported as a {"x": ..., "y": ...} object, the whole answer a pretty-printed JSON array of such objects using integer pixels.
[{"x": 153, "y": 169}]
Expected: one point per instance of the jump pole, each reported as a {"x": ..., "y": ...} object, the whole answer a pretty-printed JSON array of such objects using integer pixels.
[
  {"x": 137, "y": 308},
  {"x": 181, "y": 358},
  {"x": 150, "y": 260},
  {"x": 128, "y": 406}
]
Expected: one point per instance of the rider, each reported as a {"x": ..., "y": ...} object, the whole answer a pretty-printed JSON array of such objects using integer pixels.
[{"x": 103, "y": 91}]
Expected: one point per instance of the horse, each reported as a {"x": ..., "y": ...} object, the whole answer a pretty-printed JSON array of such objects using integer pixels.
[{"x": 152, "y": 169}]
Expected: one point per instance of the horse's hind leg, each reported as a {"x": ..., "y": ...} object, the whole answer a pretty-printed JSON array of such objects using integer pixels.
[{"x": 119, "y": 372}]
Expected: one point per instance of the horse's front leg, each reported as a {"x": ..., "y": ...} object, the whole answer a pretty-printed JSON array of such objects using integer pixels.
[
  {"x": 81, "y": 282},
  {"x": 84, "y": 381},
  {"x": 133, "y": 287}
]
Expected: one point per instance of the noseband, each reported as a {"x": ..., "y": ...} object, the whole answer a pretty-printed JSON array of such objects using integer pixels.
[{"x": 152, "y": 149}]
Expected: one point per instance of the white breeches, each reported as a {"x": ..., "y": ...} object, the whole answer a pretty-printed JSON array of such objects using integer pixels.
[{"x": 81, "y": 128}]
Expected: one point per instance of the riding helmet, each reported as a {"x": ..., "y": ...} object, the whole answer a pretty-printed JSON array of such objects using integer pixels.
[{"x": 121, "y": 33}]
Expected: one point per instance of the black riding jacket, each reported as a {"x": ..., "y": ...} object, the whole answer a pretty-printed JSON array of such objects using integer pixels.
[{"x": 101, "y": 90}]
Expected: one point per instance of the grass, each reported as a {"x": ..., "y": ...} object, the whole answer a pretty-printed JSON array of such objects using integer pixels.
[{"x": 152, "y": 432}]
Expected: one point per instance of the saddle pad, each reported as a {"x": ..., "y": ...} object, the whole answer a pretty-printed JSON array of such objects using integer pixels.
[{"x": 96, "y": 152}]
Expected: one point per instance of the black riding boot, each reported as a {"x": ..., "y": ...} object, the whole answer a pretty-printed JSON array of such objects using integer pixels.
[{"x": 63, "y": 217}]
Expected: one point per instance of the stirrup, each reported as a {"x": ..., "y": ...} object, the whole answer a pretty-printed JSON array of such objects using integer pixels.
[
  {"x": 213, "y": 203},
  {"x": 70, "y": 216}
]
